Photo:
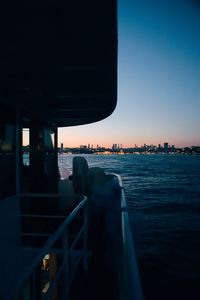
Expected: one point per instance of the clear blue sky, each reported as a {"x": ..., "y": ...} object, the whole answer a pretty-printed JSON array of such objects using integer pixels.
[{"x": 158, "y": 78}]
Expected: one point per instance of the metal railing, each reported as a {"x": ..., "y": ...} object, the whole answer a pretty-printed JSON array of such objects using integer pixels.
[
  {"x": 69, "y": 262},
  {"x": 129, "y": 281},
  {"x": 130, "y": 285}
]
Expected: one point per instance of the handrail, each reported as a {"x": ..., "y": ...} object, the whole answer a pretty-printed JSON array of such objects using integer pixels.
[
  {"x": 131, "y": 285},
  {"x": 47, "y": 246}
]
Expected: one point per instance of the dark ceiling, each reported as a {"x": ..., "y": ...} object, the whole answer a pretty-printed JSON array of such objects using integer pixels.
[{"x": 58, "y": 59}]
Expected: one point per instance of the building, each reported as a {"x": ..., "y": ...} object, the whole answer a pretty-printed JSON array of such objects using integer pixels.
[{"x": 166, "y": 146}]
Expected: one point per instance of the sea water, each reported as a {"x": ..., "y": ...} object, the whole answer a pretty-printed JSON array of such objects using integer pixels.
[{"x": 163, "y": 195}]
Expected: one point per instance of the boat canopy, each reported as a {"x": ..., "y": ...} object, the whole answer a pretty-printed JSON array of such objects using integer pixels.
[{"x": 58, "y": 59}]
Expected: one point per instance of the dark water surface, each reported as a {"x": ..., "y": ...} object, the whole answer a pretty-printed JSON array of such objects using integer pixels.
[{"x": 163, "y": 195}]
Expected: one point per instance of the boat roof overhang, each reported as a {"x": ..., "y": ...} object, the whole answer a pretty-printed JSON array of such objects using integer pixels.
[{"x": 58, "y": 59}]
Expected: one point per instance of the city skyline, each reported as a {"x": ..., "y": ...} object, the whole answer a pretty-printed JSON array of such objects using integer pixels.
[
  {"x": 158, "y": 78},
  {"x": 121, "y": 146},
  {"x": 166, "y": 148}
]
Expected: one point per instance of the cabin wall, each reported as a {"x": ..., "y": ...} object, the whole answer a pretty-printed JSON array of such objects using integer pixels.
[
  {"x": 9, "y": 236},
  {"x": 9, "y": 222},
  {"x": 7, "y": 152}
]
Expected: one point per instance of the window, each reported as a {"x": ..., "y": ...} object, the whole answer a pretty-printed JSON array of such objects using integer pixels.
[{"x": 25, "y": 146}]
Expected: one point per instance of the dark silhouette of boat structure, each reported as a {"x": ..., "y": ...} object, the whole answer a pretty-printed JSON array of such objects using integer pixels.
[{"x": 58, "y": 68}]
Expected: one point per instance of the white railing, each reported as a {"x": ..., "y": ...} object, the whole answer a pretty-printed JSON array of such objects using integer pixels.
[
  {"x": 66, "y": 271},
  {"x": 130, "y": 285}
]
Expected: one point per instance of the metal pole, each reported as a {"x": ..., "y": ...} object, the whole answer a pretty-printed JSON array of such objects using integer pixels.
[
  {"x": 85, "y": 250},
  {"x": 36, "y": 289},
  {"x": 66, "y": 275},
  {"x": 17, "y": 151}
]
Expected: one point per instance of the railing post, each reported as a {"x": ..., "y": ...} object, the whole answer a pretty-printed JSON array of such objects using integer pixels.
[
  {"x": 66, "y": 275},
  {"x": 36, "y": 285},
  {"x": 85, "y": 242},
  {"x": 53, "y": 268},
  {"x": 17, "y": 151}
]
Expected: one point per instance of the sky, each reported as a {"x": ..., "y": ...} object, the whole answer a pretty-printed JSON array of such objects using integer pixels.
[{"x": 158, "y": 78}]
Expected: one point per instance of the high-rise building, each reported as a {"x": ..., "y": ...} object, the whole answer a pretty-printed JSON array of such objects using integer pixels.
[
  {"x": 166, "y": 145},
  {"x": 61, "y": 146},
  {"x": 116, "y": 147}
]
